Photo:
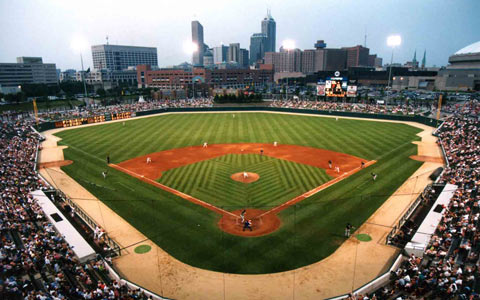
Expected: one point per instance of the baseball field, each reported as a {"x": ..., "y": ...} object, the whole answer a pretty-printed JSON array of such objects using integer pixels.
[{"x": 188, "y": 201}]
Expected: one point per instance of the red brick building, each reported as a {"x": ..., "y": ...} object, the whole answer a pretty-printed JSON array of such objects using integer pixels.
[{"x": 172, "y": 79}]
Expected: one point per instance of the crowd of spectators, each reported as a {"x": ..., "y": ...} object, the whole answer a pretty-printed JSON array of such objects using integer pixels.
[
  {"x": 98, "y": 110},
  {"x": 450, "y": 267},
  {"x": 351, "y": 107},
  {"x": 35, "y": 261}
]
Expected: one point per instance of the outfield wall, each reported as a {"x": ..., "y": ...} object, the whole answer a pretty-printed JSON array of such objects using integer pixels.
[{"x": 408, "y": 118}]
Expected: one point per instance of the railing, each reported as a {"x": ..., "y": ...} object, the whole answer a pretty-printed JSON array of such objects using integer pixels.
[
  {"x": 408, "y": 213},
  {"x": 89, "y": 221}
]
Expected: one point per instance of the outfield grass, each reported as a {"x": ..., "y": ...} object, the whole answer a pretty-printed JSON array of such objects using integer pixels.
[
  {"x": 310, "y": 231},
  {"x": 280, "y": 180}
]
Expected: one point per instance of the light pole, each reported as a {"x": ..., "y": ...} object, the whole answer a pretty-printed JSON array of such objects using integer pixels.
[
  {"x": 79, "y": 44},
  {"x": 288, "y": 45},
  {"x": 392, "y": 41},
  {"x": 190, "y": 48}
]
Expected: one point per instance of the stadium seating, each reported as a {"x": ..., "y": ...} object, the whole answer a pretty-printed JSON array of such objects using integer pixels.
[{"x": 36, "y": 263}]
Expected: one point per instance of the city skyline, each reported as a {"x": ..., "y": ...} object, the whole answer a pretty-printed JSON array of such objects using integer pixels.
[{"x": 46, "y": 28}]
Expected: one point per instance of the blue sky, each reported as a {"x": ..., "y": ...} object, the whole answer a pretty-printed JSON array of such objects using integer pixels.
[{"x": 47, "y": 27}]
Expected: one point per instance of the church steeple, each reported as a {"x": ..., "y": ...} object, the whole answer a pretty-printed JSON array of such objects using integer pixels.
[
  {"x": 414, "y": 57},
  {"x": 424, "y": 60}
]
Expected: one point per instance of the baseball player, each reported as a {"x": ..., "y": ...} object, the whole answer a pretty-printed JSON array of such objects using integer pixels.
[
  {"x": 329, "y": 164},
  {"x": 242, "y": 215},
  {"x": 274, "y": 144},
  {"x": 104, "y": 174},
  {"x": 247, "y": 225},
  {"x": 362, "y": 165},
  {"x": 348, "y": 228},
  {"x": 374, "y": 176},
  {"x": 205, "y": 145},
  {"x": 245, "y": 175},
  {"x": 149, "y": 160},
  {"x": 337, "y": 169}
]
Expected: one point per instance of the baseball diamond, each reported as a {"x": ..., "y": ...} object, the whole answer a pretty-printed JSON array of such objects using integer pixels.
[{"x": 308, "y": 228}]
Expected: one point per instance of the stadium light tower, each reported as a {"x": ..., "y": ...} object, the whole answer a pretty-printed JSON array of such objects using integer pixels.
[
  {"x": 190, "y": 48},
  {"x": 288, "y": 45},
  {"x": 393, "y": 41},
  {"x": 78, "y": 45}
]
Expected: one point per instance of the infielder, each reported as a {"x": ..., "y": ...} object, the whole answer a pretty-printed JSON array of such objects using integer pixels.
[
  {"x": 149, "y": 160},
  {"x": 205, "y": 145},
  {"x": 274, "y": 144}
]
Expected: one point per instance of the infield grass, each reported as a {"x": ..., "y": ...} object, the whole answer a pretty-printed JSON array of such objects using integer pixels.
[
  {"x": 280, "y": 180},
  {"x": 310, "y": 230}
]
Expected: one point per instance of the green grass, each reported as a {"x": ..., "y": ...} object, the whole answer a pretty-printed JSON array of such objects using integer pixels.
[
  {"x": 142, "y": 249},
  {"x": 310, "y": 230},
  {"x": 210, "y": 180}
]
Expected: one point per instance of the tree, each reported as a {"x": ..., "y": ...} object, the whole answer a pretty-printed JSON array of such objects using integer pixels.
[{"x": 101, "y": 92}]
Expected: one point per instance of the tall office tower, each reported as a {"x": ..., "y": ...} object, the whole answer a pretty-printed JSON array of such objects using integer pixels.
[
  {"x": 357, "y": 56},
  {"x": 220, "y": 54},
  {"x": 269, "y": 29},
  {"x": 257, "y": 47},
  {"x": 197, "y": 38},
  {"x": 243, "y": 58},
  {"x": 116, "y": 57},
  {"x": 233, "y": 52}
]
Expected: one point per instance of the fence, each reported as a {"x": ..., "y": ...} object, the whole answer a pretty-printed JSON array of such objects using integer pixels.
[
  {"x": 407, "y": 214},
  {"x": 408, "y": 118}
]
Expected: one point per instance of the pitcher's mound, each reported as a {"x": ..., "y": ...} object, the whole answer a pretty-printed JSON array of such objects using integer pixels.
[{"x": 252, "y": 177}]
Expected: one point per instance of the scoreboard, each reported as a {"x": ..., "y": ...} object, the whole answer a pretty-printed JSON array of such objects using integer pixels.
[{"x": 94, "y": 119}]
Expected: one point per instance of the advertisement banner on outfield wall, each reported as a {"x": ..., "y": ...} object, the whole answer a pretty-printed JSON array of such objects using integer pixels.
[{"x": 321, "y": 88}]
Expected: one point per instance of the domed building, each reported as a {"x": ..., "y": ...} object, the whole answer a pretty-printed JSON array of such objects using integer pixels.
[{"x": 463, "y": 72}]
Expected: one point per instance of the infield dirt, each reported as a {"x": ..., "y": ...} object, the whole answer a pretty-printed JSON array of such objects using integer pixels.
[{"x": 149, "y": 168}]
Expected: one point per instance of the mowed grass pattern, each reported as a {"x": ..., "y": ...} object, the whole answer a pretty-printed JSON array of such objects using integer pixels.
[
  {"x": 310, "y": 231},
  {"x": 280, "y": 180}
]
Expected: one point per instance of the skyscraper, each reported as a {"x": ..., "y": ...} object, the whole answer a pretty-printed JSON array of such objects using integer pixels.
[
  {"x": 234, "y": 52},
  {"x": 243, "y": 58},
  {"x": 257, "y": 47},
  {"x": 220, "y": 54},
  {"x": 269, "y": 29},
  {"x": 197, "y": 38}
]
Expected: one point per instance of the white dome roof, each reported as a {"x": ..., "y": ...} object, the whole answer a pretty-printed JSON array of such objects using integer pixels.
[{"x": 473, "y": 48}]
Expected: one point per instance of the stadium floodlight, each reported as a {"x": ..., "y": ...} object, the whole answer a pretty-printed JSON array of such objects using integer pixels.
[
  {"x": 79, "y": 44},
  {"x": 393, "y": 41},
  {"x": 288, "y": 44},
  {"x": 190, "y": 48}
]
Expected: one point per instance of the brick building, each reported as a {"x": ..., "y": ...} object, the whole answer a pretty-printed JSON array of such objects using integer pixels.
[{"x": 168, "y": 79}]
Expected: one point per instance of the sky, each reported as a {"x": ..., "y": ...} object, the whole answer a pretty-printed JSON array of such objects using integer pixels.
[{"x": 47, "y": 28}]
